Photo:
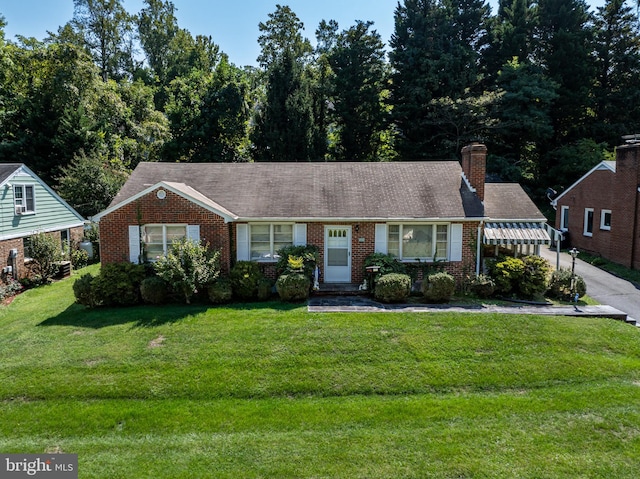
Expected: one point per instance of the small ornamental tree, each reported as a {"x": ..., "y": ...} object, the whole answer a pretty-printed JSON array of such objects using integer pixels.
[
  {"x": 188, "y": 267},
  {"x": 45, "y": 251}
]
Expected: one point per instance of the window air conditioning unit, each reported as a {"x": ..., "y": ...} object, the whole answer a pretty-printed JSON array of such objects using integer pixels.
[{"x": 19, "y": 210}]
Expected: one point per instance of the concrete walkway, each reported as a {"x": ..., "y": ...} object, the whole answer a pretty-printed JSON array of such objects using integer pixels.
[
  {"x": 340, "y": 304},
  {"x": 601, "y": 286}
]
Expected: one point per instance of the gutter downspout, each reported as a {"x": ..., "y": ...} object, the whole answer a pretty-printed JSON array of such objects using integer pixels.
[{"x": 478, "y": 247}]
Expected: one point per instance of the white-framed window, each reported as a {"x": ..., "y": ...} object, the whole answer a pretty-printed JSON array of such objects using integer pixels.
[
  {"x": 26, "y": 249},
  {"x": 24, "y": 199},
  {"x": 265, "y": 239},
  {"x": 605, "y": 220},
  {"x": 564, "y": 218},
  {"x": 588, "y": 222},
  {"x": 418, "y": 241},
  {"x": 157, "y": 238},
  {"x": 65, "y": 239}
]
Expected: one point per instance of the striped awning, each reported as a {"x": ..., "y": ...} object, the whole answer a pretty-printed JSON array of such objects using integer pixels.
[{"x": 515, "y": 233}]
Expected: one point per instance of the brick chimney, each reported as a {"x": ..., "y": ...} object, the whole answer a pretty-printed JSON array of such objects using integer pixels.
[{"x": 474, "y": 166}]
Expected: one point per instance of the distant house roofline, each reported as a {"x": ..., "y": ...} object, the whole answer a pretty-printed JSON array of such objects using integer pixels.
[{"x": 602, "y": 166}]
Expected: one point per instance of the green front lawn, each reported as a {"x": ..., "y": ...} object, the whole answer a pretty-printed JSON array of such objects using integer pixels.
[{"x": 270, "y": 390}]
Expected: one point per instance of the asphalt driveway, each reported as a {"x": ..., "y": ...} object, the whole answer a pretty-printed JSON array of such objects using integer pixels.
[{"x": 602, "y": 286}]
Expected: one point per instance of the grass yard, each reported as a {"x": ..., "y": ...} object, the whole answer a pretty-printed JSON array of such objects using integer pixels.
[{"x": 272, "y": 391}]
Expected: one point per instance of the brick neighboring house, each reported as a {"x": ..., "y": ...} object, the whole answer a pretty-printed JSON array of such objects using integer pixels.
[
  {"x": 28, "y": 206},
  {"x": 415, "y": 210},
  {"x": 601, "y": 211}
]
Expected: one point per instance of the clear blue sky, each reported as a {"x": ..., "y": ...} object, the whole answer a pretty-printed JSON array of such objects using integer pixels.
[{"x": 232, "y": 24}]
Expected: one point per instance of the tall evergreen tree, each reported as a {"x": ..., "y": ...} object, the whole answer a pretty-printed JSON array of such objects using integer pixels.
[
  {"x": 322, "y": 84},
  {"x": 617, "y": 87},
  {"x": 564, "y": 51},
  {"x": 358, "y": 62},
  {"x": 510, "y": 35},
  {"x": 281, "y": 36},
  {"x": 284, "y": 128},
  {"x": 435, "y": 51},
  {"x": 208, "y": 115},
  {"x": 523, "y": 111}
]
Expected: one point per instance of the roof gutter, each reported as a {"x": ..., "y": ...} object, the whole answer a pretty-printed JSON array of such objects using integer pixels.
[{"x": 302, "y": 219}]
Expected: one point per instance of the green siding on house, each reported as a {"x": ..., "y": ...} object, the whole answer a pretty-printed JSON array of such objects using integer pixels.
[{"x": 51, "y": 212}]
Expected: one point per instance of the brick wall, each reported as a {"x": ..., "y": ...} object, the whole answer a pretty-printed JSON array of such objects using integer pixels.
[
  {"x": 114, "y": 232},
  {"x": 149, "y": 209},
  {"x": 77, "y": 235},
  {"x": 625, "y": 242},
  {"x": 21, "y": 270},
  {"x": 5, "y": 248},
  {"x": 366, "y": 231},
  {"x": 605, "y": 190},
  {"x": 595, "y": 191}
]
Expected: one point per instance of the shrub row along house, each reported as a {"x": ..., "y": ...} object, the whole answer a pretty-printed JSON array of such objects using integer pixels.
[
  {"x": 28, "y": 206},
  {"x": 418, "y": 211},
  {"x": 601, "y": 211}
]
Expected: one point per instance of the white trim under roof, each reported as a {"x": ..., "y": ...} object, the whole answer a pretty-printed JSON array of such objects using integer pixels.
[
  {"x": 307, "y": 219},
  {"x": 179, "y": 189},
  {"x": 42, "y": 230},
  {"x": 602, "y": 166}
]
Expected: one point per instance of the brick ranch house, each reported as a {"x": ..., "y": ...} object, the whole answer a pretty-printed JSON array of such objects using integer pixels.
[
  {"x": 426, "y": 211},
  {"x": 601, "y": 211}
]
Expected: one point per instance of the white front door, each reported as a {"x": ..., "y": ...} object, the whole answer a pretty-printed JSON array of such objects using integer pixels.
[{"x": 337, "y": 254}]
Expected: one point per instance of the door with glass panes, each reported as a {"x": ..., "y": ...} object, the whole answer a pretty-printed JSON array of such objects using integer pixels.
[{"x": 337, "y": 254}]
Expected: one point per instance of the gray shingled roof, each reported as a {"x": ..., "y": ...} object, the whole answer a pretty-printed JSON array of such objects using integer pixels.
[
  {"x": 430, "y": 189},
  {"x": 508, "y": 201},
  {"x": 7, "y": 169}
]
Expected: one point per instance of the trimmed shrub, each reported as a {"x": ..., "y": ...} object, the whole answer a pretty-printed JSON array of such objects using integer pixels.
[
  {"x": 293, "y": 287},
  {"x": 265, "y": 288},
  {"x": 188, "y": 266},
  {"x": 482, "y": 286},
  {"x": 220, "y": 292},
  {"x": 83, "y": 290},
  {"x": 9, "y": 288},
  {"x": 560, "y": 285},
  {"x": 154, "y": 290},
  {"x": 507, "y": 272},
  {"x": 244, "y": 277},
  {"x": 535, "y": 277},
  {"x": 307, "y": 254},
  {"x": 79, "y": 258},
  {"x": 386, "y": 262},
  {"x": 439, "y": 287},
  {"x": 393, "y": 288},
  {"x": 118, "y": 284}
]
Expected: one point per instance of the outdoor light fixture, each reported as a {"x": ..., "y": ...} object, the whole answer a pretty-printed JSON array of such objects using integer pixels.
[{"x": 574, "y": 254}]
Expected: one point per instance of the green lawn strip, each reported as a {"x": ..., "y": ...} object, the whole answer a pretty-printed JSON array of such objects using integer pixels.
[
  {"x": 249, "y": 354},
  {"x": 587, "y": 431},
  {"x": 270, "y": 390}
]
